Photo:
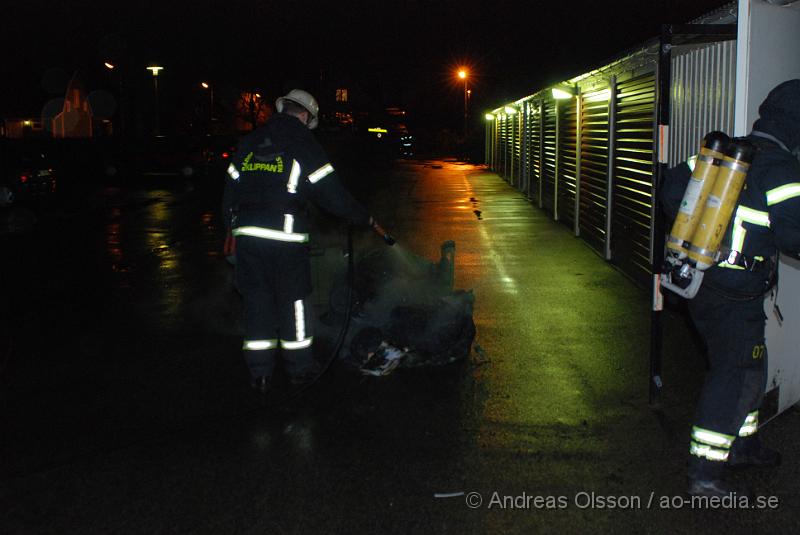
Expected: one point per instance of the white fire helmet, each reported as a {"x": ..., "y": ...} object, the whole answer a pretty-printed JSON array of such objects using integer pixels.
[{"x": 304, "y": 99}]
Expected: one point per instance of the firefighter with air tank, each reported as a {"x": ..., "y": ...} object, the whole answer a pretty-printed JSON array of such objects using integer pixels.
[{"x": 736, "y": 207}]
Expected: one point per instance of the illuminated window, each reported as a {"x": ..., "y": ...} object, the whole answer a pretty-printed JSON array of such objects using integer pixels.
[{"x": 341, "y": 95}]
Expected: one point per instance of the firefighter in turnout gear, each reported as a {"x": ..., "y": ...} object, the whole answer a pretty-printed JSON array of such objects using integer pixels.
[
  {"x": 279, "y": 168},
  {"x": 728, "y": 310}
]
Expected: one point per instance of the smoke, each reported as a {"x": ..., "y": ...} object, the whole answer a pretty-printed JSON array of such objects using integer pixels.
[
  {"x": 410, "y": 300},
  {"x": 406, "y": 297}
]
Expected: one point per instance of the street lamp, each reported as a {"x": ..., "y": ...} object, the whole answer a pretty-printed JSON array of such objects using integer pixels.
[
  {"x": 206, "y": 85},
  {"x": 462, "y": 74},
  {"x": 155, "y": 69}
]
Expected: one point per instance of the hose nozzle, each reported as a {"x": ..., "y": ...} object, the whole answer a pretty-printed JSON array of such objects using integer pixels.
[{"x": 380, "y": 231}]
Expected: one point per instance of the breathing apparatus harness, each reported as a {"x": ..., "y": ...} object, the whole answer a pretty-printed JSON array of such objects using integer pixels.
[
  {"x": 751, "y": 264},
  {"x": 708, "y": 203}
]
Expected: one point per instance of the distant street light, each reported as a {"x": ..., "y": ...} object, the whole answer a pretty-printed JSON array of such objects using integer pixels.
[
  {"x": 155, "y": 69},
  {"x": 109, "y": 66},
  {"x": 206, "y": 85},
  {"x": 462, "y": 73}
]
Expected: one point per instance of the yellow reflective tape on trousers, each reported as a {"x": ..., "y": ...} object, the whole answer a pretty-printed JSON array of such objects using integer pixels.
[
  {"x": 271, "y": 234},
  {"x": 712, "y": 438},
  {"x": 297, "y": 344},
  {"x": 787, "y": 191},
  {"x": 750, "y": 425},
  {"x": 259, "y": 345},
  {"x": 299, "y": 319},
  {"x": 320, "y": 173},
  {"x": 710, "y": 453}
]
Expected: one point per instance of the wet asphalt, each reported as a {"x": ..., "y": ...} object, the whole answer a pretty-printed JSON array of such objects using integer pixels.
[{"x": 125, "y": 405}]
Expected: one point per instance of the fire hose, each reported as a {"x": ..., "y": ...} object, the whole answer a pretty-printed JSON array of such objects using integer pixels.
[{"x": 389, "y": 240}]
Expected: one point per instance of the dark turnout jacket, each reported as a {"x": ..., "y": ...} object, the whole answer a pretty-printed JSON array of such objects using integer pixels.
[
  {"x": 767, "y": 216},
  {"x": 278, "y": 169}
]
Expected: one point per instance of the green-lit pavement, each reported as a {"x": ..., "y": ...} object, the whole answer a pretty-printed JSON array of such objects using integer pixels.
[{"x": 125, "y": 406}]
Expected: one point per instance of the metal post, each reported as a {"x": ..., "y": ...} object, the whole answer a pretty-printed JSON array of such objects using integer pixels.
[
  {"x": 509, "y": 148},
  {"x": 541, "y": 150},
  {"x": 465, "y": 109},
  {"x": 155, "y": 86},
  {"x": 664, "y": 76}
]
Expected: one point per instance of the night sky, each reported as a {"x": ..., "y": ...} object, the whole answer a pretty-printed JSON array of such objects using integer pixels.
[{"x": 401, "y": 52}]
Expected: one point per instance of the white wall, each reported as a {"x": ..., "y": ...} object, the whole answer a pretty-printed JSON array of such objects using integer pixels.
[{"x": 768, "y": 53}]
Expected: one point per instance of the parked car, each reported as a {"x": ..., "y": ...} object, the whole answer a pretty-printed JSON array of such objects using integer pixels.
[
  {"x": 158, "y": 156},
  {"x": 27, "y": 173}
]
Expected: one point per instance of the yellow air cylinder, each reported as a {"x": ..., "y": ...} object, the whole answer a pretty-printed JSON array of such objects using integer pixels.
[
  {"x": 720, "y": 204},
  {"x": 696, "y": 194}
]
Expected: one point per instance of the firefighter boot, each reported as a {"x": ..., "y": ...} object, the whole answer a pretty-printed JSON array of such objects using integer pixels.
[
  {"x": 708, "y": 478},
  {"x": 749, "y": 451}
]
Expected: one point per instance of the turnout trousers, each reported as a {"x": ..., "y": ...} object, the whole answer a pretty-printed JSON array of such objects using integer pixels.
[
  {"x": 732, "y": 392},
  {"x": 274, "y": 279}
]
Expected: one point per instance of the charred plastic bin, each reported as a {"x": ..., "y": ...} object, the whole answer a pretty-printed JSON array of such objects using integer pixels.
[{"x": 403, "y": 301}]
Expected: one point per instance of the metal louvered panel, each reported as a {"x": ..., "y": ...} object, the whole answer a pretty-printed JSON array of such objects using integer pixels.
[
  {"x": 491, "y": 129},
  {"x": 498, "y": 123},
  {"x": 495, "y": 144},
  {"x": 594, "y": 167},
  {"x": 534, "y": 147},
  {"x": 516, "y": 168},
  {"x": 549, "y": 157},
  {"x": 567, "y": 160},
  {"x": 633, "y": 177},
  {"x": 703, "y": 86},
  {"x": 498, "y": 136},
  {"x": 503, "y": 171},
  {"x": 487, "y": 148}
]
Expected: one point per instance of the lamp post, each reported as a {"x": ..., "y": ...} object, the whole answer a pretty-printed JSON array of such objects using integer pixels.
[
  {"x": 206, "y": 85},
  {"x": 155, "y": 69},
  {"x": 118, "y": 130},
  {"x": 462, "y": 74}
]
